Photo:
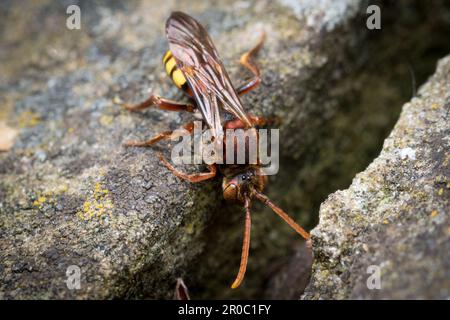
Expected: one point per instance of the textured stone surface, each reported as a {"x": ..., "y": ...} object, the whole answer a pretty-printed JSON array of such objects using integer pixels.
[
  {"x": 395, "y": 215},
  {"x": 72, "y": 195}
]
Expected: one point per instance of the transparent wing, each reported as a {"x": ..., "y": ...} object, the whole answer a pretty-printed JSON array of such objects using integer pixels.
[{"x": 197, "y": 58}]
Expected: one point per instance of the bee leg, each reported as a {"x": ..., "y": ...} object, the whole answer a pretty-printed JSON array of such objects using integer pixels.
[
  {"x": 265, "y": 121},
  {"x": 256, "y": 121},
  {"x": 247, "y": 61},
  {"x": 164, "y": 104},
  {"x": 181, "y": 290},
  {"x": 196, "y": 177},
  {"x": 163, "y": 135}
]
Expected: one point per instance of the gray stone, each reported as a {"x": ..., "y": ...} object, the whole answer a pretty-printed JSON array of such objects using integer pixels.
[{"x": 394, "y": 218}]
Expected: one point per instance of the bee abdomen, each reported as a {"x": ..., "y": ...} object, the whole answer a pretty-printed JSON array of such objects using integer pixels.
[{"x": 173, "y": 71}]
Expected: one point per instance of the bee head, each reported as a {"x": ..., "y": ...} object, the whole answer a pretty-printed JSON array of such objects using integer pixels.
[{"x": 242, "y": 185}]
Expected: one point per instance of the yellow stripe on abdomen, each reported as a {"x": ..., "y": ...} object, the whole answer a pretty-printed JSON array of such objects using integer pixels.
[
  {"x": 178, "y": 78},
  {"x": 167, "y": 56},
  {"x": 172, "y": 70},
  {"x": 170, "y": 64}
]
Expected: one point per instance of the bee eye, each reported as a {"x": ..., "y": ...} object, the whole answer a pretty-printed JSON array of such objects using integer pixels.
[
  {"x": 244, "y": 177},
  {"x": 230, "y": 192}
]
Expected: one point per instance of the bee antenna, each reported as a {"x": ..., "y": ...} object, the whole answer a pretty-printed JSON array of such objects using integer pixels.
[
  {"x": 245, "y": 245},
  {"x": 264, "y": 199}
]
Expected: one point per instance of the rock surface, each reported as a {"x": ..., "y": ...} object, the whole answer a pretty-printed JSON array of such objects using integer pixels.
[
  {"x": 395, "y": 215},
  {"x": 70, "y": 194}
]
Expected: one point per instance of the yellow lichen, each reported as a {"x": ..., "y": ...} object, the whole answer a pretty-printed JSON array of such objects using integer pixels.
[
  {"x": 106, "y": 120},
  {"x": 434, "y": 213},
  {"x": 28, "y": 119},
  {"x": 39, "y": 202},
  {"x": 117, "y": 100},
  {"x": 190, "y": 228},
  {"x": 62, "y": 188},
  {"x": 98, "y": 204},
  {"x": 48, "y": 196},
  {"x": 446, "y": 160}
]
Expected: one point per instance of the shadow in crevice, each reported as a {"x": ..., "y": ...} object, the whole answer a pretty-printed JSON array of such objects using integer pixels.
[{"x": 398, "y": 59}]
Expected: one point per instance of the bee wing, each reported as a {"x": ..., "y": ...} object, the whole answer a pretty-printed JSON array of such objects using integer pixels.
[{"x": 197, "y": 58}]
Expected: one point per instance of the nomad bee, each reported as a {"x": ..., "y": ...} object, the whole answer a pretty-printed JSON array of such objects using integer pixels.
[{"x": 195, "y": 67}]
